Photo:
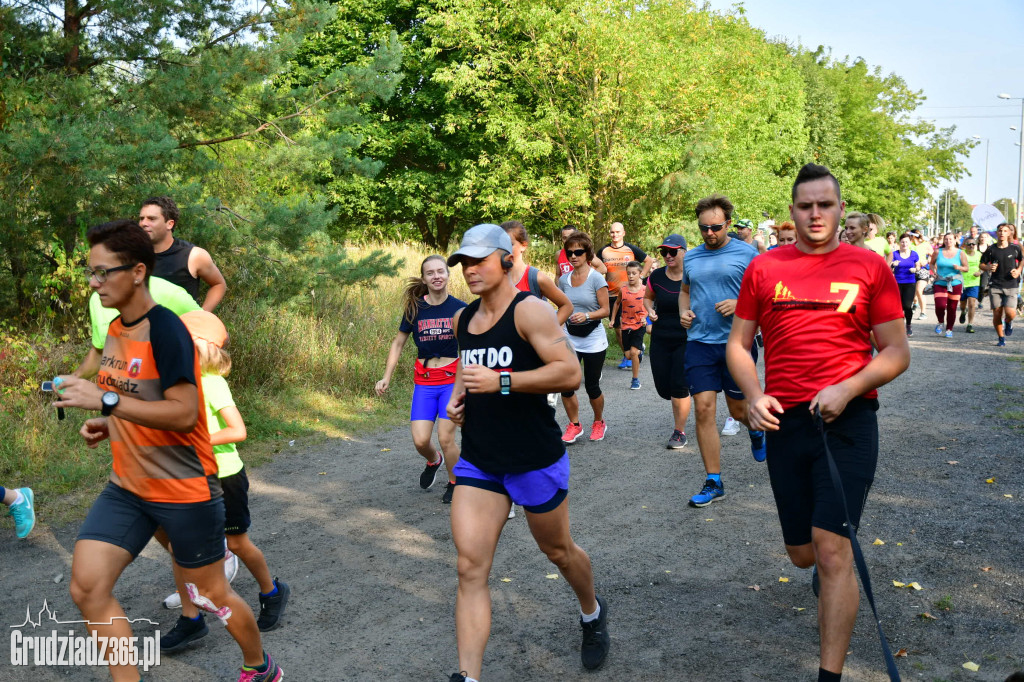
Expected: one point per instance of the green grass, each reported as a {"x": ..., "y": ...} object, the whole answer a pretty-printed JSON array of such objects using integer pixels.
[{"x": 944, "y": 604}]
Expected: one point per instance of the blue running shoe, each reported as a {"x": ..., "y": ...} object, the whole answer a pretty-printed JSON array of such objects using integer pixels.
[
  {"x": 758, "y": 448},
  {"x": 634, "y": 385},
  {"x": 24, "y": 513},
  {"x": 1008, "y": 328},
  {"x": 1001, "y": 342},
  {"x": 708, "y": 494},
  {"x": 626, "y": 364}
]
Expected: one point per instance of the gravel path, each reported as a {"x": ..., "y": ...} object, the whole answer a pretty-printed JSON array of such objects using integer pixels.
[{"x": 372, "y": 567}]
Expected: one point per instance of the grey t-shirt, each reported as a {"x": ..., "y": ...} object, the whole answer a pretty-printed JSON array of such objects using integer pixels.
[{"x": 584, "y": 300}]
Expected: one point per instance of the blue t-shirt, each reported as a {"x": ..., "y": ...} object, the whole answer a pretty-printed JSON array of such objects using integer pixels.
[
  {"x": 901, "y": 267},
  {"x": 432, "y": 329},
  {"x": 714, "y": 276}
]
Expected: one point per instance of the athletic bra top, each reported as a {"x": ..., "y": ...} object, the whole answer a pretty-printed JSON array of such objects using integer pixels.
[
  {"x": 172, "y": 265},
  {"x": 506, "y": 434}
]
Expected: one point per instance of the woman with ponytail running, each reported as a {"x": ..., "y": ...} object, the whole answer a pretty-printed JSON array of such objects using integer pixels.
[
  {"x": 528, "y": 278},
  {"x": 427, "y": 311}
]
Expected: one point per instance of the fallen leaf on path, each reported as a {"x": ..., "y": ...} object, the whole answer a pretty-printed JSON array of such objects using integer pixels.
[
  {"x": 1010, "y": 496},
  {"x": 899, "y": 544},
  {"x": 709, "y": 519},
  {"x": 878, "y": 541},
  {"x": 972, "y": 666},
  {"x": 990, "y": 480},
  {"x": 953, "y": 462},
  {"x": 902, "y": 653},
  {"x": 897, "y": 583},
  {"x": 799, "y": 608},
  {"x": 915, "y": 586},
  {"x": 755, "y": 588},
  {"x": 943, "y": 447},
  {"x": 644, "y": 507},
  {"x": 506, "y": 580},
  {"x": 668, "y": 571},
  {"x": 552, "y": 576},
  {"x": 986, "y": 569},
  {"x": 783, "y": 580},
  {"x": 385, "y": 449},
  {"x": 926, "y": 616},
  {"x": 322, "y": 473}
]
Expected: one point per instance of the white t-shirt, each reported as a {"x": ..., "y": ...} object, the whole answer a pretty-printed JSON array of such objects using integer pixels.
[{"x": 584, "y": 300}]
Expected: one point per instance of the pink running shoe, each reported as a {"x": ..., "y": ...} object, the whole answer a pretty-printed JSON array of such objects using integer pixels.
[
  {"x": 273, "y": 673},
  {"x": 598, "y": 430},
  {"x": 572, "y": 433}
]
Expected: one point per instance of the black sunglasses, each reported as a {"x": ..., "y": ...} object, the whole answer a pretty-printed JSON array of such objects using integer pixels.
[
  {"x": 575, "y": 252},
  {"x": 713, "y": 228},
  {"x": 666, "y": 252}
]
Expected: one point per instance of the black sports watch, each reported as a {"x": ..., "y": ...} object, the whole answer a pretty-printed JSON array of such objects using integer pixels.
[
  {"x": 505, "y": 381},
  {"x": 110, "y": 400}
]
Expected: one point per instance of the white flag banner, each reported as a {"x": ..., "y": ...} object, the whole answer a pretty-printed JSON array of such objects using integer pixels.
[{"x": 987, "y": 217}]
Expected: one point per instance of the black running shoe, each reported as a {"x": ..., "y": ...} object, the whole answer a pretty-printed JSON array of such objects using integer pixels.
[
  {"x": 449, "y": 489},
  {"x": 272, "y": 608},
  {"x": 596, "y": 640},
  {"x": 430, "y": 472},
  {"x": 457, "y": 677},
  {"x": 184, "y": 632}
]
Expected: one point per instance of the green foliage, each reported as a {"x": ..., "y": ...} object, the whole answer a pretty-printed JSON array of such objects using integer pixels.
[
  {"x": 106, "y": 103},
  {"x": 959, "y": 212}
]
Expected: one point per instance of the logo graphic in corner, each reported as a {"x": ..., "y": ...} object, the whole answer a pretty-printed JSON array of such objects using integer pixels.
[
  {"x": 135, "y": 368},
  {"x": 68, "y": 649}
]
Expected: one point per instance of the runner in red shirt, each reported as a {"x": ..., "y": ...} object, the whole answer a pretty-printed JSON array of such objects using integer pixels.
[{"x": 813, "y": 300}]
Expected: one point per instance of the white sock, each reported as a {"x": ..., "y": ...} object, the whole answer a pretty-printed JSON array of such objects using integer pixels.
[
  {"x": 472, "y": 679},
  {"x": 588, "y": 618},
  {"x": 19, "y": 499}
]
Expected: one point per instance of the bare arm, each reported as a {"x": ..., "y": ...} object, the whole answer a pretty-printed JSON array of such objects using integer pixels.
[
  {"x": 599, "y": 265},
  {"x": 234, "y": 431},
  {"x": 686, "y": 316},
  {"x": 178, "y": 411},
  {"x": 649, "y": 304},
  {"x": 892, "y": 359},
  {"x": 744, "y": 373},
  {"x": 394, "y": 353},
  {"x": 90, "y": 366},
  {"x": 457, "y": 402},
  {"x": 536, "y": 323},
  {"x": 556, "y": 296},
  {"x": 647, "y": 265},
  {"x": 201, "y": 265}
]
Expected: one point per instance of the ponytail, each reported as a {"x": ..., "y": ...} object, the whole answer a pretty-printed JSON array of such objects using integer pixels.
[{"x": 415, "y": 290}]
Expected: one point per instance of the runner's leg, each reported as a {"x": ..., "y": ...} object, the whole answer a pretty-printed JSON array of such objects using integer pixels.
[
  {"x": 477, "y": 517},
  {"x": 840, "y": 596},
  {"x": 422, "y": 430},
  {"x": 551, "y": 531},
  {"x": 213, "y": 584},
  {"x": 252, "y": 556},
  {"x": 708, "y": 440},
  {"x": 95, "y": 568},
  {"x": 449, "y": 446}
]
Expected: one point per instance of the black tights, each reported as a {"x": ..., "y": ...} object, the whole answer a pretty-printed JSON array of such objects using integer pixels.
[{"x": 592, "y": 366}]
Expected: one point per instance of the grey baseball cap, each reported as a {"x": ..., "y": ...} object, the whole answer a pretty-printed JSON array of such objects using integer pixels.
[{"x": 481, "y": 241}]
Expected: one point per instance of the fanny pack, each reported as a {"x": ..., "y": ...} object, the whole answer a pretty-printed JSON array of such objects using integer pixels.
[
  {"x": 434, "y": 376},
  {"x": 582, "y": 329}
]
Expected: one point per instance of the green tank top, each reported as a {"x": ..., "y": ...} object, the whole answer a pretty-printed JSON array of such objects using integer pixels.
[{"x": 970, "y": 279}]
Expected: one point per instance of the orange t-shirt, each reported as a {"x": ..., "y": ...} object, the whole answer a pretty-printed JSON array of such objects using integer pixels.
[
  {"x": 616, "y": 259},
  {"x": 141, "y": 361},
  {"x": 634, "y": 314}
]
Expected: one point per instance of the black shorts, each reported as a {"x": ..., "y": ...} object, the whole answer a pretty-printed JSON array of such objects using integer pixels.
[
  {"x": 633, "y": 338},
  {"x": 617, "y": 321},
  {"x": 799, "y": 473},
  {"x": 123, "y": 519},
  {"x": 236, "y": 503}
]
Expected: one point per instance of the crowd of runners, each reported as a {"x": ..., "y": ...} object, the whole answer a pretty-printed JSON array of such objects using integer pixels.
[{"x": 811, "y": 289}]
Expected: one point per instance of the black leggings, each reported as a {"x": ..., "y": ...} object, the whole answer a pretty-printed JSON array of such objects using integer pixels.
[
  {"x": 592, "y": 365},
  {"x": 667, "y": 366},
  {"x": 907, "y": 299}
]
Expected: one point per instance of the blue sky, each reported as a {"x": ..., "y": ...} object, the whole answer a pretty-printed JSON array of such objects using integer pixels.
[{"x": 960, "y": 54}]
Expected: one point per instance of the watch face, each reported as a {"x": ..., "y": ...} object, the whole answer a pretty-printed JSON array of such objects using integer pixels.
[{"x": 110, "y": 398}]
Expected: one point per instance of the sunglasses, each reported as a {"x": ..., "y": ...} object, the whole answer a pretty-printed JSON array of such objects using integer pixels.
[
  {"x": 575, "y": 252},
  {"x": 970, "y": 243},
  {"x": 667, "y": 252},
  {"x": 101, "y": 273},
  {"x": 713, "y": 228}
]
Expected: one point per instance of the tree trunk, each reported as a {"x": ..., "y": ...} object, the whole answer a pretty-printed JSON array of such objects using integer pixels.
[
  {"x": 424, "y": 227},
  {"x": 445, "y": 227},
  {"x": 72, "y": 31}
]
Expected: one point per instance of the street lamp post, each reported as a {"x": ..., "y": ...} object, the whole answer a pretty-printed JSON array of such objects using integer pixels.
[
  {"x": 978, "y": 137},
  {"x": 1020, "y": 168}
]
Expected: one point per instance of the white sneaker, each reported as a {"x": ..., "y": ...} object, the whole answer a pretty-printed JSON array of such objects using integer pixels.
[
  {"x": 173, "y": 601},
  {"x": 230, "y": 565},
  {"x": 512, "y": 512},
  {"x": 553, "y": 399},
  {"x": 731, "y": 428}
]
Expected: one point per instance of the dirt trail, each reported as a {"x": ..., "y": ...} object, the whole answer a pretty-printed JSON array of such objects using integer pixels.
[{"x": 372, "y": 567}]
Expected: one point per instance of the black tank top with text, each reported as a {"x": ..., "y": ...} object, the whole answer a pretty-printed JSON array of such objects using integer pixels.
[
  {"x": 506, "y": 434},
  {"x": 172, "y": 265}
]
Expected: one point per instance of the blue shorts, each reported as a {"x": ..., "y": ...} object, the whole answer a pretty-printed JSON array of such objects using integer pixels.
[
  {"x": 535, "y": 491},
  {"x": 706, "y": 369},
  {"x": 971, "y": 292},
  {"x": 430, "y": 403}
]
